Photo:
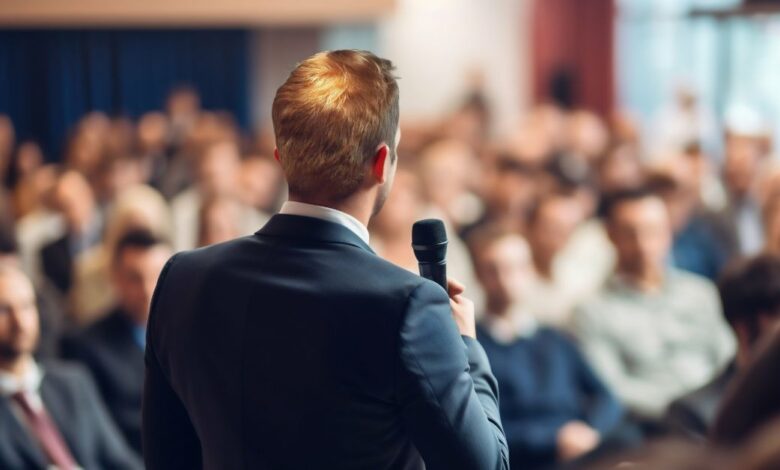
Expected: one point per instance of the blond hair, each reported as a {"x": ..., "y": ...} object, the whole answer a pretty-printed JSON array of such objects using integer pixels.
[{"x": 330, "y": 116}]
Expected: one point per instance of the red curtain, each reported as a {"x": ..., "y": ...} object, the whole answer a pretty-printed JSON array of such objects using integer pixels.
[{"x": 573, "y": 51}]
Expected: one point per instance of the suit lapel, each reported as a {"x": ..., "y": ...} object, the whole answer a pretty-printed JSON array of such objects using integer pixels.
[
  {"x": 20, "y": 436},
  {"x": 57, "y": 405},
  {"x": 311, "y": 228}
]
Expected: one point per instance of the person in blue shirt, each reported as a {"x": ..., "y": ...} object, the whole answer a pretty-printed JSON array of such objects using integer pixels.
[{"x": 553, "y": 406}]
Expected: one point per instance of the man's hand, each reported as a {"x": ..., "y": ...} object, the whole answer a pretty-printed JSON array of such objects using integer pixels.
[
  {"x": 576, "y": 438},
  {"x": 462, "y": 309}
]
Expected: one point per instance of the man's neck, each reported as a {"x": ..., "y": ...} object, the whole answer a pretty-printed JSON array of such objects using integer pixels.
[{"x": 647, "y": 282}]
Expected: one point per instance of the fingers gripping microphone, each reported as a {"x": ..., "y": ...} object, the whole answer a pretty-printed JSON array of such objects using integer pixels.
[{"x": 429, "y": 242}]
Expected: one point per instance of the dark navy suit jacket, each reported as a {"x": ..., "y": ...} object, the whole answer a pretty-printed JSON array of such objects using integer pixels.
[{"x": 298, "y": 347}]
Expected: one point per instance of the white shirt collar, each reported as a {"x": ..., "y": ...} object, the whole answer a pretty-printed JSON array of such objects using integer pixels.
[
  {"x": 30, "y": 382},
  {"x": 326, "y": 213}
]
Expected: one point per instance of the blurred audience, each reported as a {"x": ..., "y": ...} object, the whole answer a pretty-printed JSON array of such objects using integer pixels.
[
  {"x": 113, "y": 347},
  {"x": 553, "y": 406},
  {"x": 135, "y": 208},
  {"x": 88, "y": 231},
  {"x": 218, "y": 171},
  {"x": 51, "y": 414},
  {"x": 653, "y": 332}
]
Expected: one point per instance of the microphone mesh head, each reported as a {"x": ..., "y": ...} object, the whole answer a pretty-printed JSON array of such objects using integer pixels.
[{"x": 429, "y": 240}]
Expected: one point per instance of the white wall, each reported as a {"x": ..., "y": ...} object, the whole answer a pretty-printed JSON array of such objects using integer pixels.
[{"x": 434, "y": 44}]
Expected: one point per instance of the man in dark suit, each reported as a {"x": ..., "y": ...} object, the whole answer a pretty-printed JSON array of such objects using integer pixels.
[
  {"x": 750, "y": 294},
  {"x": 298, "y": 347},
  {"x": 51, "y": 416},
  {"x": 113, "y": 347},
  {"x": 73, "y": 197}
]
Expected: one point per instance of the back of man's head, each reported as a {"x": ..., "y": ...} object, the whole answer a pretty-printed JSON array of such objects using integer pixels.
[
  {"x": 329, "y": 117},
  {"x": 750, "y": 293}
]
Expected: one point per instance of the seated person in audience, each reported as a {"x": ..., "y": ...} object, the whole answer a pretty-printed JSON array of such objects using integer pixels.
[
  {"x": 558, "y": 284},
  {"x": 219, "y": 220},
  {"x": 553, "y": 407},
  {"x": 750, "y": 294},
  {"x": 218, "y": 176},
  {"x": 113, "y": 348},
  {"x": 51, "y": 415},
  {"x": 653, "y": 332},
  {"x": 74, "y": 199},
  {"x": 698, "y": 244}
]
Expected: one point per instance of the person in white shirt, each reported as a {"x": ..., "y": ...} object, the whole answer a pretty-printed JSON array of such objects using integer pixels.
[{"x": 653, "y": 332}]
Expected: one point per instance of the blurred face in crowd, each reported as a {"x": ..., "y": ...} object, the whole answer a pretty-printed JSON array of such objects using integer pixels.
[
  {"x": 641, "y": 233},
  {"x": 620, "y": 170},
  {"x": 402, "y": 207},
  {"x": 120, "y": 138},
  {"x": 135, "y": 274},
  {"x": 29, "y": 157},
  {"x": 504, "y": 269},
  {"x": 19, "y": 328},
  {"x": 556, "y": 219},
  {"x": 218, "y": 169},
  {"x": 118, "y": 174},
  {"x": 681, "y": 201},
  {"x": 74, "y": 199},
  {"x": 587, "y": 136},
  {"x": 511, "y": 189},
  {"x": 183, "y": 105},
  {"x": 445, "y": 170},
  {"x": 220, "y": 221},
  {"x": 261, "y": 180},
  {"x": 743, "y": 157},
  {"x": 153, "y": 132}
]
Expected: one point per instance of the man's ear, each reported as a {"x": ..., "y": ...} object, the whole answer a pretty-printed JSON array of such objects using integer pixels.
[
  {"x": 276, "y": 155},
  {"x": 380, "y": 161}
]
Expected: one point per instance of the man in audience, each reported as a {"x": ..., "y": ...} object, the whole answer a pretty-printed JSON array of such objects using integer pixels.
[
  {"x": 113, "y": 348},
  {"x": 653, "y": 332},
  {"x": 75, "y": 200},
  {"x": 50, "y": 416},
  {"x": 741, "y": 218},
  {"x": 220, "y": 220},
  {"x": 218, "y": 173},
  {"x": 552, "y": 405},
  {"x": 750, "y": 294},
  {"x": 698, "y": 244},
  {"x": 558, "y": 285}
]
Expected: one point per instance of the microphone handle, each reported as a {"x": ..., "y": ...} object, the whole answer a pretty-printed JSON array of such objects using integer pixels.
[{"x": 436, "y": 272}]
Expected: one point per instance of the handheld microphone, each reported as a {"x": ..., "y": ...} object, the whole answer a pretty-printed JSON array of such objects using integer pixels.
[{"x": 429, "y": 242}]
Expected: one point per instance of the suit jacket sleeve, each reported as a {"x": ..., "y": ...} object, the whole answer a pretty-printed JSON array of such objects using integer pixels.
[
  {"x": 169, "y": 439},
  {"x": 447, "y": 392}
]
